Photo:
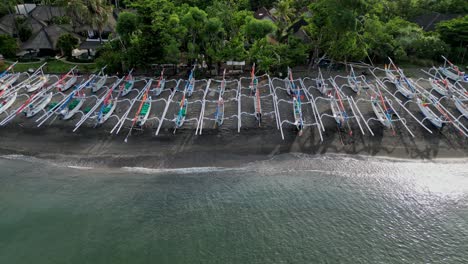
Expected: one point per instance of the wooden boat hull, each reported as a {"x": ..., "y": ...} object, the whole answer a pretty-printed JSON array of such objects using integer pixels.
[
  {"x": 181, "y": 118},
  {"x": 41, "y": 81},
  {"x": 337, "y": 115},
  {"x": 438, "y": 88},
  {"x": 190, "y": 89},
  {"x": 158, "y": 91},
  {"x": 42, "y": 103},
  {"x": 99, "y": 84},
  {"x": 67, "y": 85},
  {"x": 354, "y": 85},
  {"x": 452, "y": 76},
  {"x": 106, "y": 116},
  {"x": 67, "y": 114},
  {"x": 6, "y": 83},
  {"x": 128, "y": 87},
  {"x": 404, "y": 90},
  {"x": 8, "y": 102},
  {"x": 142, "y": 119},
  {"x": 429, "y": 114},
  {"x": 322, "y": 87},
  {"x": 297, "y": 114},
  {"x": 380, "y": 114}
]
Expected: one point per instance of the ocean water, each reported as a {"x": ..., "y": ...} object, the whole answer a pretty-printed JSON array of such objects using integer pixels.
[{"x": 291, "y": 209}]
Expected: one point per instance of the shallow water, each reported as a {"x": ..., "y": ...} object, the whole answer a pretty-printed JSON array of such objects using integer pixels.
[{"x": 293, "y": 209}]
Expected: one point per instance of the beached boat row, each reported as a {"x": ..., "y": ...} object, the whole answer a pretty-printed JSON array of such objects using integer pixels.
[{"x": 103, "y": 94}]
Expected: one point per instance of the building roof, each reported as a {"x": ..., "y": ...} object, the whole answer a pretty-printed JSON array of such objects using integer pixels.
[
  {"x": 429, "y": 21},
  {"x": 24, "y": 9},
  {"x": 91, "y": 44},
  {"x": 46, "y": 13},
  {"x": 46, "y": 38},
  {"x": 7, "y": 23},
  {"x": 263, "y": 13}
]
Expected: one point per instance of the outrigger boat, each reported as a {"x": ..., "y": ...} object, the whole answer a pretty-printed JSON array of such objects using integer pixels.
[
  {"x": 452, "y": 71},
  {"x": 107, "y": 109},
  {"x": 36, "y": 83},
  {"x": 222, "y": 87},
  {"x": 254, "y": 81},
  {"x": 297, "y": 108},
  {"x": 219, "y": 114},
  {"x": 190, "y": 87},
  {"x": 440, "y": 86},
  {"x": 8, "y": 81},
  {"x": 73, "y": 105},
  {"x": 338, "y": 109},
  {"x": 290, "y": 86},
  {"x": 96, "y": 86},
  {"x": 321, "y": 85},
  {"x": 179, "y": 122},
  {"x": 62, "y": 87},
  {"x": 144, "y": 112},
  {"x": 159, "y": 85},
  {"x": 38, "y": 105},
  {"x": 382, "y": 114},
  {"x": 403, "y": 84},
  {"x": 353, "y": 82},
  {"x": 428, "y": 113},
  {"x": 127, "y": 86},
  {"x": 6, "y": 102},
  {"x": 258, "y": 108},
  {"x": 461, "y": 106}
]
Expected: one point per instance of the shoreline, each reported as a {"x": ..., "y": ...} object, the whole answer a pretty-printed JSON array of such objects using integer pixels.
[{"x": 97, "y": 148}]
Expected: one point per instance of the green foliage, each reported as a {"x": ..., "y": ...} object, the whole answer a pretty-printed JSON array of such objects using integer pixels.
[
  {"x": 127, "y": 23},
  {"x": 112, "y": 59},
  {"x": 24, "y": 32},
  {"x": 8, "y": 46},
  {"x": 66, "y": 43},
  {"x": 455, "y": 31},
  {"x": 257, "y": 29}
]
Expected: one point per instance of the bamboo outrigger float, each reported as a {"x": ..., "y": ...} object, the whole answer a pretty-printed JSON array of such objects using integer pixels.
[
  {"x": 128, "y": 84},
  {"x": 452, "y": 71}
]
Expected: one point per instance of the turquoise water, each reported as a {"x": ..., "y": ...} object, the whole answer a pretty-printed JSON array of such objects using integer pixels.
[{"x": 294, "y": 209}]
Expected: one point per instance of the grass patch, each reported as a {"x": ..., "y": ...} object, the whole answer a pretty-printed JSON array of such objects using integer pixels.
[{"x": 52, "y": 66}]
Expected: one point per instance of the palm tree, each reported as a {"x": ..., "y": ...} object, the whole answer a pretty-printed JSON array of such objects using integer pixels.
[{"x": 285, "y": 14}]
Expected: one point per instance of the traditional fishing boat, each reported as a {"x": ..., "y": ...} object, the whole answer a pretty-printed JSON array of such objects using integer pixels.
[
  {"x": 5, "y": 103},
  {"x": 428, "y": 113},
  {"x": 290, "y": 86},
  {"x": 452, "y": 71},
  {"x": 353, "y": 82},
  {"x": 219, "y": 114},
  {"x": 440, "y": 86},
  {"x": 222, "y": 86},
  {"x": 36, "y": 83},
  {"x": 258, "y": 107},
  {"x": 8, "y": 81},
  {"x": 321, "y": 85},
  {"x": 63, "y": 85},
  {"x": 69, "y": 109},
  {"x": 144, "y": 112},
  {"x": 461, "y": 106},
  {"x": 107, "y": 109},
  {"x": 297, "y": 108},
  {"x": 253, "y": 81},
  {"x": 99, "y": 83},
  {"x": 159, "y": 87},
  {"x": 402, "y": 83},
  {"x": 182, "y": 113},
  {"x": 38, "y": 105},
  {"x": 128, "y": 85},
  {"x": 337, "y": 114},
  {"x": 382, "y": 115}
]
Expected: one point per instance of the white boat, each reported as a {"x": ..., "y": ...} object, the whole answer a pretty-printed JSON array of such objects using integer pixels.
[
  {"x": 253, "y": 86},
  {"x": 380, "y": 113},
  {"x": 107, "y": 112},
  {"x": 354, "y": 84},
  {"x": 144, "y": 112},
  {"x": 429, "y": 114},
  {"x": 37, "y": 83},
  {"x": 72, "y": 108},
  {"x": 401, "y": 83},
  {"x": 158, "y": 90},
  {"x": 128, "y": 86},
  {"x": 62, "y": 87},
  {"x": 336, "y": 112},
  {"x": 99, "y": 83},
  {"x": 5, "y": 103},
  {"x": 461, "y": 106},
  {"x": 8, "y": 81},
  {"x": 449, "y": 73},
  {"x": 38, "y": 105},
  {"x": 191, "y": 87},
  {"x": 439, "y": 87}
]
